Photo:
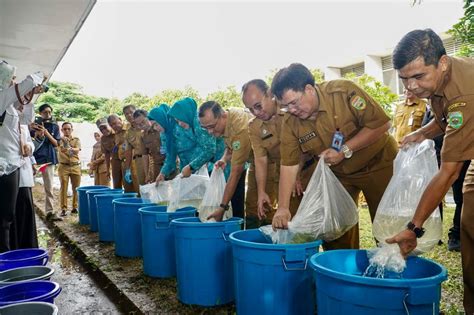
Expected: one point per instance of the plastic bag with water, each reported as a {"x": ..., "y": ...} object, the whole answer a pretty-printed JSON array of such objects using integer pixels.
[
  {"x": 326, "y": 212},
  {"x": 385, "y": 262},
  {"x": 414, "y": 167},
  {"x": 213, "y": 197}
]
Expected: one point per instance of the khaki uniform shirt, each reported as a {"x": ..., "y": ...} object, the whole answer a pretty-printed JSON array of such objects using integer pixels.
[
  {"x": 133, "y": 138},
  {"x": 265, "y": 137},
  {"x": 65, "y": 157},
  {"x": 107, "y": 144},
  {"x": 453, "y": 106},
  {"x": 344, "y": 106},
  {"x": 152, "y": 144},
  {"x": 408, "y": 118},
  {"x": 98, "y": 156},
  {"x": 121, "y": 143},
  {"x": 236, "y": 136}
]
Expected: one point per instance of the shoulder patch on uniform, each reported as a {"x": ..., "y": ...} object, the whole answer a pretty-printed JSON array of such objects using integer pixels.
[
  {"x": 236, "y": 145},
  {"x": 358, "y": 102},
  {"x": 455, "y": 120},
  {"x": 456, "y": 105}
]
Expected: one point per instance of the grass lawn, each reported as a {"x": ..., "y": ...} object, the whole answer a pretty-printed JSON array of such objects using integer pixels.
[{"x": 452, "y": 289}]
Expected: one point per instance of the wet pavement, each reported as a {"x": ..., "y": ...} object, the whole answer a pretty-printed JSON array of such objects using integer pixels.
[{"x": 80, "y": 293}]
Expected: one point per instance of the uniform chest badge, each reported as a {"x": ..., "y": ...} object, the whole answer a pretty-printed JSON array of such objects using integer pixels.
[
  {"x": 455, "y": 120},
  {"x": 456, "y": 105},
  {"x": 358, "y": 102},
  {"x": 236, "y": 145},
  {"x": 307, "y": 137}
]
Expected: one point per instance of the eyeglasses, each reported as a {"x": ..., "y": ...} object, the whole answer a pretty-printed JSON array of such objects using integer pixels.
[{"x": 294, "y": 103}]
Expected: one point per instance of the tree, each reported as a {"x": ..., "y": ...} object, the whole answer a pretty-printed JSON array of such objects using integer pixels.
[
  {"x": 376, "y": 89},
  {"x": 172, "y": 96},
  {"x": 137, "y": 99},
  {"x": 229, "y": 97},
  {"x": 317, "y": 74},
  {"x": 464, "y": 30}
]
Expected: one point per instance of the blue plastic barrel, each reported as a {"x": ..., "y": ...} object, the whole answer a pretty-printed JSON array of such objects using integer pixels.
[
  {"x": 23, "y": 257},
  {"x": 36, "y": 308},
  {"x": 127, "y": 229},
  {"x": 341, "y": 288},
  {"x": 84, "y": 202},
  {"x": 93, "y": 206},
  {"x": 33, "y": 291},
  {"x": 272, "y": 278},
  {"x": 204, "y": 261},
  {"x": 159, "y": 258},
  {"x": 105, "y": 214}
]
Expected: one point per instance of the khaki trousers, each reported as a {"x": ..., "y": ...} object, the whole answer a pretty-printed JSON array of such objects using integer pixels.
[
  {"x": 101, "y": 179},
  {"x": 116, "y": 166},
  {"x": 65, "y": 173},
  {"x": 467, "y": 240},
  {"x": 48, "y": 176}
]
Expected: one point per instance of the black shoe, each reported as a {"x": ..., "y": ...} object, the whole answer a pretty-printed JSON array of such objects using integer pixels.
[
  {"x": 63, "y": 213},
  {"x": 454, "y": 245},
  {"x": 53, "y": 217},
  {"x": 440, "y": 242},
  {"x": 74, "y": 211}
]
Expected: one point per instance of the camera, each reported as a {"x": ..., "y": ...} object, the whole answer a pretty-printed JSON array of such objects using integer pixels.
[
  {"x": 40, "y": 121},
  {"x": 45, "y": 88}
]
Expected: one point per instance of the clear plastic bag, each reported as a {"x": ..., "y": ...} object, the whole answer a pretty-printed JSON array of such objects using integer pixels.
[
  {"x": 178, "y": 192},
  {"x": 213, "y": 196},
  {"x": 385, "y": 262},
  {"x": 414, "y": 167},
  {"x": 326, "y": 212}
]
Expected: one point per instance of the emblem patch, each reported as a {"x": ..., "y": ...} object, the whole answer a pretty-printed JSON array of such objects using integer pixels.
[
  {"x": 236, "y": 145},
  {"x": 307, "y": 137},
  {"x": 455, "y": 120},
  {"x": 456, "y": 105},
  {"x": 358, "y": 102}
]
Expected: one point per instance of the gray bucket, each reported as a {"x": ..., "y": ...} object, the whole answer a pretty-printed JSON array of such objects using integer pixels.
[
  {"x": 36, "y": 308},
  {"x": 25, "y": 274}
]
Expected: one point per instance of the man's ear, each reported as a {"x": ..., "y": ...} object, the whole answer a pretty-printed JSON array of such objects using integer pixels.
[{"x": 443, "y": 63}]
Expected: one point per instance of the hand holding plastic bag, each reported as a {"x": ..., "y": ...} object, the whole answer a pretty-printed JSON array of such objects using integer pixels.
[
  {"x": 326, "y": 212},
  {"x": 414, "y": 167},
  {"x": 213, "y": 196}
]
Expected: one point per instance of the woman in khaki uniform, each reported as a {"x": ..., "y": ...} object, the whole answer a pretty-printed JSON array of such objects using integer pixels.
[
  {"x": 69, "y": 167},
  {"x": 109, "y": 149},
  {"x": 97, "y": 164},
  {"x": 425, "y": 69},
  {"x": 338, "y": 120}
]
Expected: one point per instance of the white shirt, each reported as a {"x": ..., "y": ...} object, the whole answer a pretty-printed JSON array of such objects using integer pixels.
[
  {"x": 26, "y": 170},
  {"x": 10, "y": 151}
]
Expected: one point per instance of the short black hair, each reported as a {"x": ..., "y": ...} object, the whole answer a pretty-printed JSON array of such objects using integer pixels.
[
  {"x": 127, "y": 107},
  {"x": 44, "y": 106},
  {"x": 294, "y": 77},
  {"x": 215, "y": 107},
  {"x": 259, "y": 83},
  {"x": 66, "y": 123},
  {"x": 418, "y": 43},
  {"x": 111, "y": 117},
  {"x": 140, "y": 112}
]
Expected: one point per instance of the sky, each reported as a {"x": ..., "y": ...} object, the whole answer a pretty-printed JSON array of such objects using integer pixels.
[{"x": 149, "y": 46}]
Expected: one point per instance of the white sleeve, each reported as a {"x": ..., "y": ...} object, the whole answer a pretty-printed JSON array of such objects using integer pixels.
[{"x": 8, "y": 96}]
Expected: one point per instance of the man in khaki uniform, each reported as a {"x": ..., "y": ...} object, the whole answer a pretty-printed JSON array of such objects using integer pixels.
[
  {"x": 233, "y": 126},
  {"x": 121, "y": 146},
  {"x": 408, "y": 115},
  {"x": 134, "y": 151},
  {"x": 425, "y": 69},
  {"x": 97, "y": 164},
  {"x": 318, "y": 116},
  {"x": 110, "y": 151},
  {"x": 69, "y": 167},
  {"x": 153, "y": 154}
]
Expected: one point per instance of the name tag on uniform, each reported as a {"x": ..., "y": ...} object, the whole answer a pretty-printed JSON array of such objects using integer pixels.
[
  {"x": 410, "y": 120},
  {"x": 307, "y": 137}
]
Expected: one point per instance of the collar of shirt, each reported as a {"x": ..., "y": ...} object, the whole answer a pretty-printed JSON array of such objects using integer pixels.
[
  {"x": 441, "y": 91},
  {"x": 322, "y": 106}
]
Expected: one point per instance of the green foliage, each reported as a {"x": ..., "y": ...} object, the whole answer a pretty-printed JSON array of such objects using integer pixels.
[
  {"x": 317, "y": 73},
  {"x": 171, "y": 96},
  {"x": 137, "y": 99},
  {"x": 376, "y": 89},
  {"x": 227, "y": 98},
  {"x": 464, "y": 30}
]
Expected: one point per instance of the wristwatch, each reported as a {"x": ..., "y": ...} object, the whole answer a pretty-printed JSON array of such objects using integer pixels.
[
  {"x": 225, "y": 207},
  {"x": 419, "y": 231},
  {"x": 347, "y": 151}
]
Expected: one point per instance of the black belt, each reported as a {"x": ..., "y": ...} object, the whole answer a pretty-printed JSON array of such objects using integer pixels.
[
  {"x": 137, "y": 156},
  {"x": 71, "y": 164},
  {"x": 308, "y": 163}
]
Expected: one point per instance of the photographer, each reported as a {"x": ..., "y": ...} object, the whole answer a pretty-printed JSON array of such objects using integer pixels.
[
  {"x": 11, "y": 146},
  {"x": 47, "y": 136}
]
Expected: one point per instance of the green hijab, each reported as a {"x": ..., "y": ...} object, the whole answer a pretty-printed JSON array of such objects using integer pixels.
[{"x": 185, "y": 110}]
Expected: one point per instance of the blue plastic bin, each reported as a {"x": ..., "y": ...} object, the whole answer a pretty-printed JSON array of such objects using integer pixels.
[
  {"x": 22, "y": 258},
  {"x": 272, "y": 278},
  {"x": 159, "y": 258},
  {"x": 105, "y": 214},
  {"x": 33, "y": 291},
  {"x": 84, "y": 202},
  {"x": 204, "y": 261},
  {"x": 94, "y": 227},
  {"x": 341, "y": 288},
  {"x": 36, "y": 308},
  {"x": 128, "y": 230}
]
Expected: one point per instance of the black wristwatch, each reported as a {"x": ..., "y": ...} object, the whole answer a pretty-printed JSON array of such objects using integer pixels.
[
  {"x": 419, "y": 231},
  {"x": 225, "y": 207}
]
